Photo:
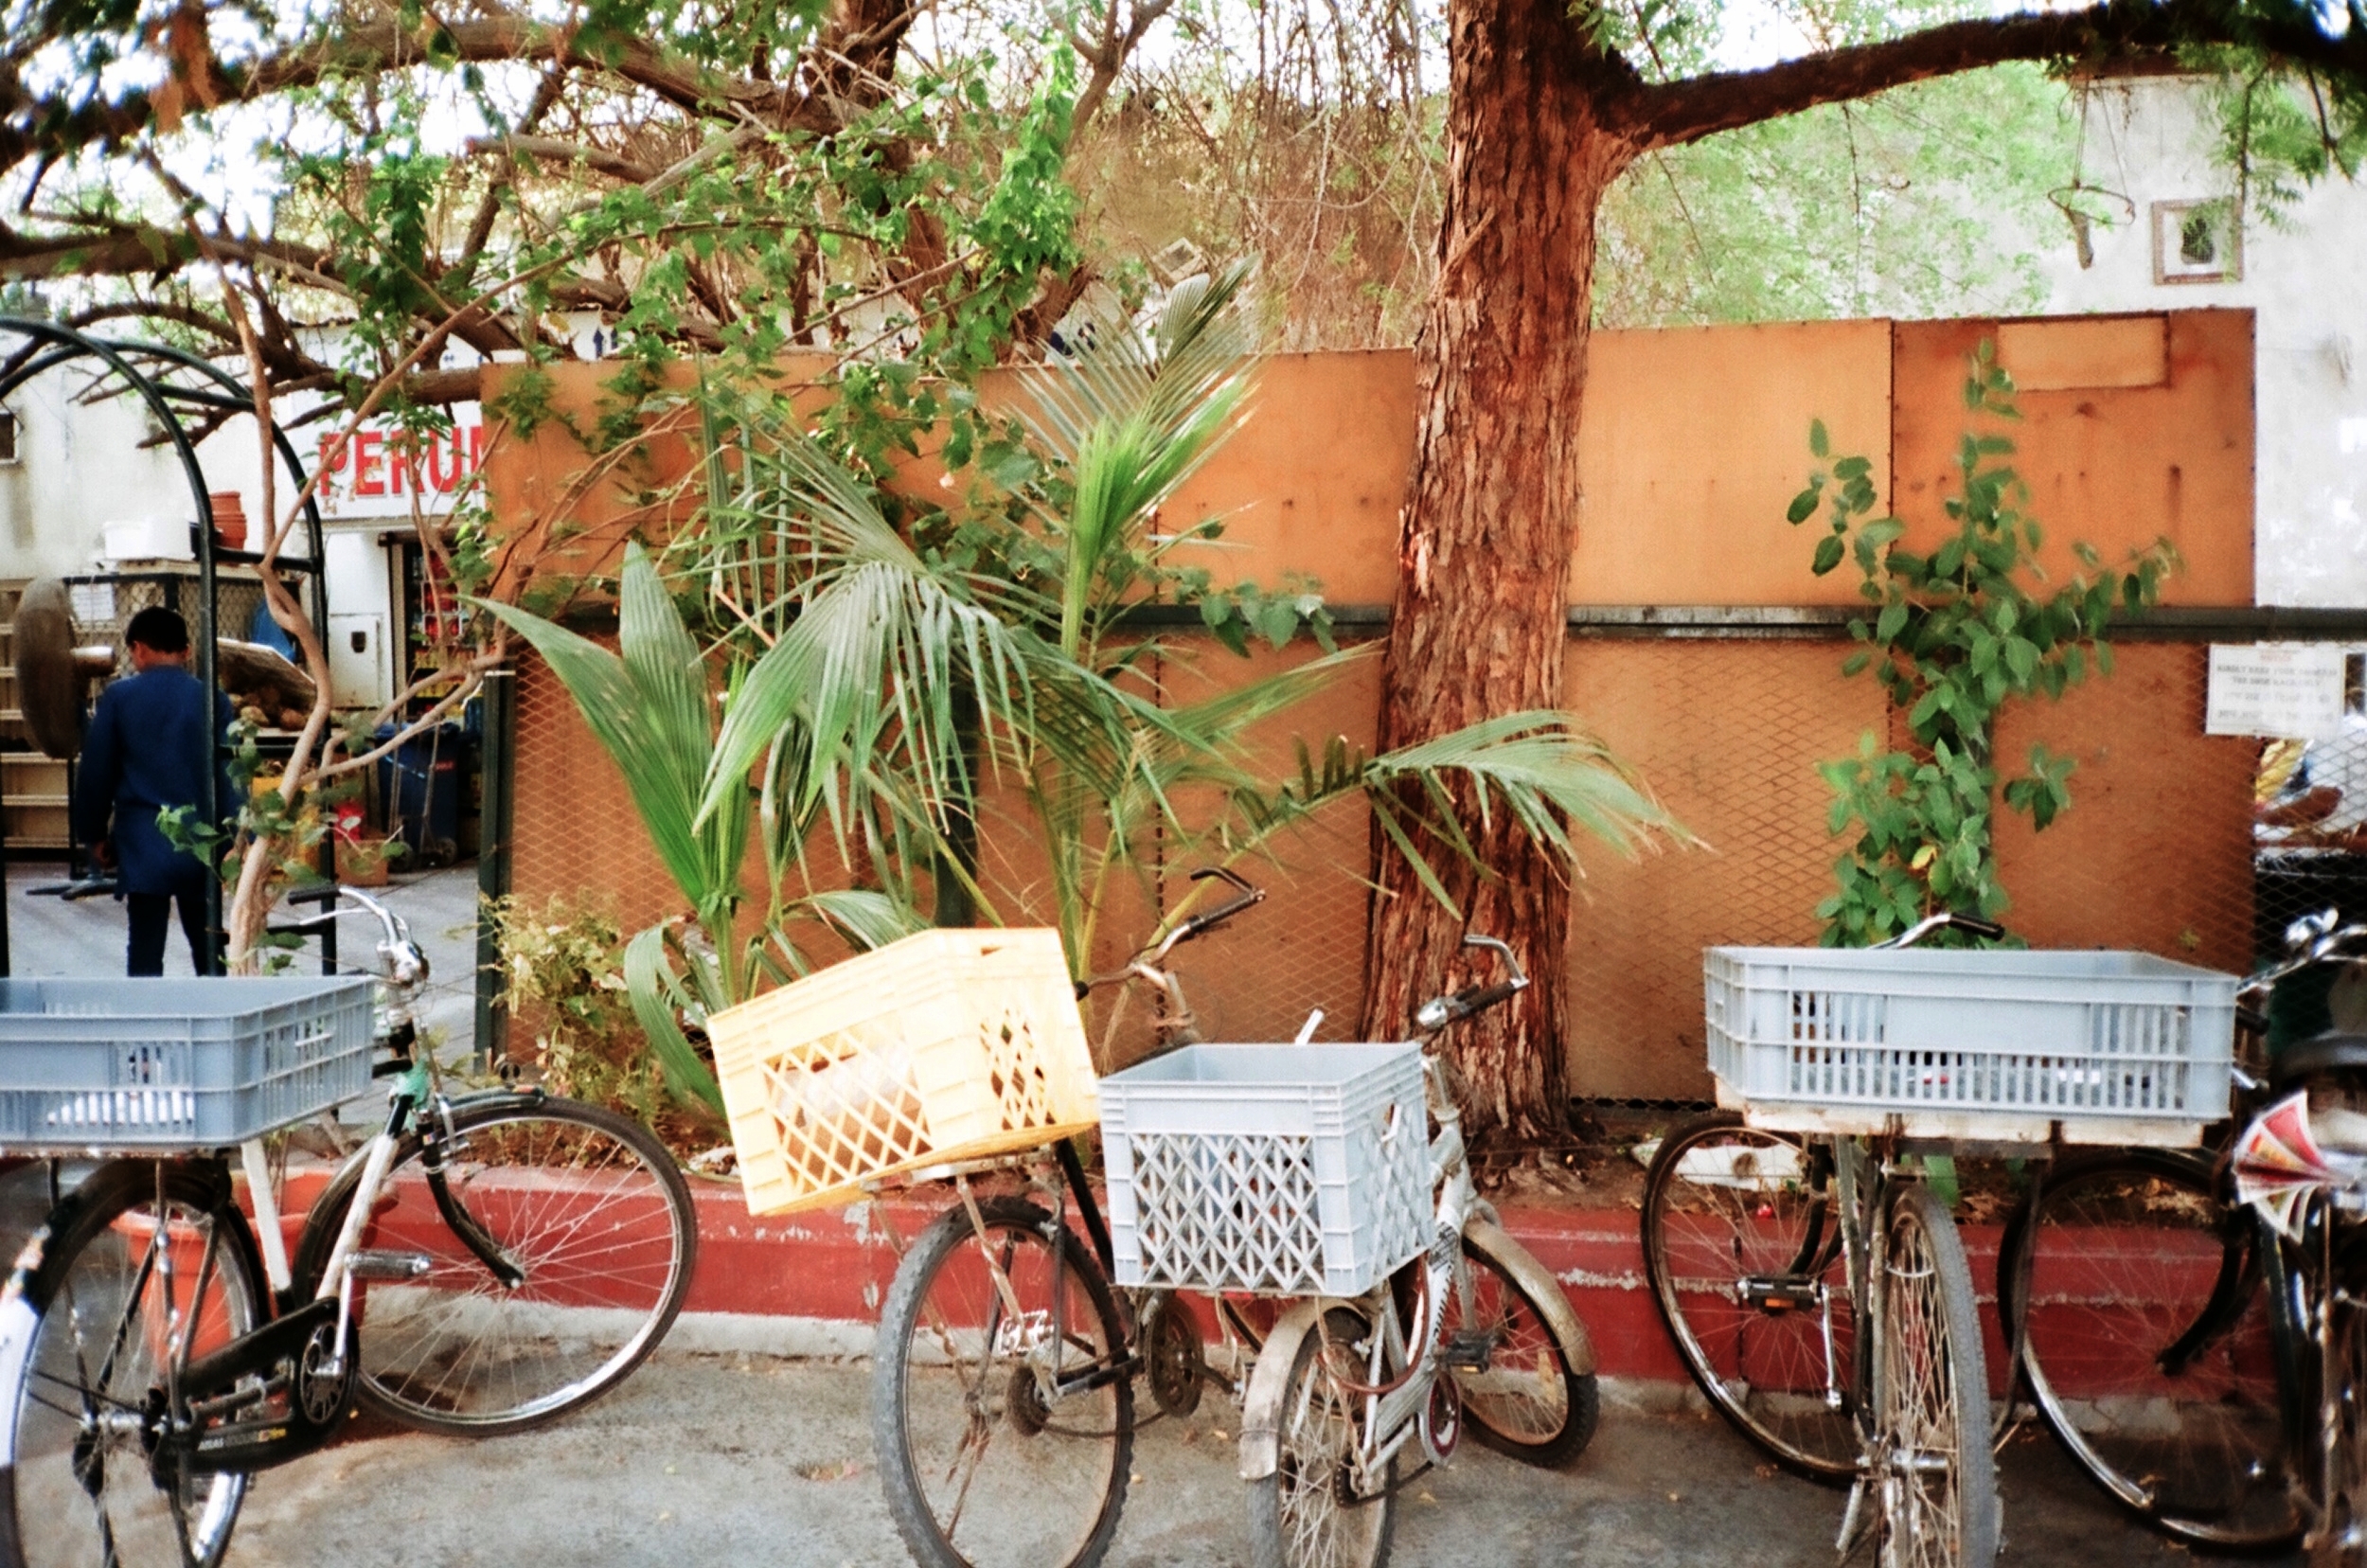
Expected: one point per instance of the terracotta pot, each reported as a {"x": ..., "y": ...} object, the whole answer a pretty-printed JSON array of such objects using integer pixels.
[{"x": 229, "y": 519}]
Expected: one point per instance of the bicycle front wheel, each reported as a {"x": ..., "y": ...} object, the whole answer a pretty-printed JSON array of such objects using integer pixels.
[
  {"x": 1529, "y": 1402},
  {"x": 1001, "y": 1406},
  {"x": 2143, "y": 1324},
  {"x": 551, "y": 1264},
  {"x": 1934, "y": 1475},
  {"x": 1313, "y": 1511},
  {"x": 142, "y": 1266},
  {"x": 1742, "y": 1247}
]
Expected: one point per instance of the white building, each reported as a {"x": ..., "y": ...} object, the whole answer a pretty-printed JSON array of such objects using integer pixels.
[
  {"x": 2148, "y": 155},
  {"x": 87, "y": 489}
]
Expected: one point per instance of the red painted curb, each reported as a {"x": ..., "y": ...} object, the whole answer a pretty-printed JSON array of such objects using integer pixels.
[{"x": 834, "y": 1265}]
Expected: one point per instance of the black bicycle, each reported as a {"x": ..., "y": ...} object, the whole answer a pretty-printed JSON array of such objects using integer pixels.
[{"x": 487, "y": 1262}]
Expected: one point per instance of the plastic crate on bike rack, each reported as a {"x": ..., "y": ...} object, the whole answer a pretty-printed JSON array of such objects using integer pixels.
[
  {"x": 947, "y": 1045},
  {"x": 1990, "y": 1044},
  {"x": 179, "y": 1063},
  {"x": 1288, "y": 1169}
]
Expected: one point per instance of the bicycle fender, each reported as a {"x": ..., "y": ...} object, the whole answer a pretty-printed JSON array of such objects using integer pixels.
[
  {"x": 1543, "y": 1289},
  {"x": 1261, "y": 1403}
]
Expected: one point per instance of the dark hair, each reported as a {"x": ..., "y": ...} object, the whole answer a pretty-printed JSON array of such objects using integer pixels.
[{"x": 160, "y": 630}]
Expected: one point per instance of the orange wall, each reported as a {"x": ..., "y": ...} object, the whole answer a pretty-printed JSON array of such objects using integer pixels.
[{"x": 1694, "y": 443}]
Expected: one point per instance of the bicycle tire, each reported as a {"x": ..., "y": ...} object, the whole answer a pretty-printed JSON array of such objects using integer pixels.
[
  {"x": 958, "y": 1410},
  {"x": 606, "y": 1252},
  {"x": 76, "y": 1490},
  {"x": 2151, "y": 1358},
  {"x": 1296, "y": 1514},
  {"x": 1936, "y": 1474},
  {"x": 1531, "y": 1404},
  {"x": 2340, "y": 1394},
  {"x": 1718, "y": 1211}
]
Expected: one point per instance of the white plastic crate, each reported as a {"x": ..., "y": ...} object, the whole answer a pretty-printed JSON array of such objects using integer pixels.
[
  {"x": 182, "y": 1063},
  {"x": 1283, "y": 1169},
  {"x": 1990, "y": 1044}
]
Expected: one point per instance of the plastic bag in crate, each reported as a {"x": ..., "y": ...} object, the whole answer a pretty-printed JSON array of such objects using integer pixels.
[{"x": 947, "y": 1045}]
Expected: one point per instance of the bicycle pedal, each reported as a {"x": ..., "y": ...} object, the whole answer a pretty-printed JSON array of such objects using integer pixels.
[
  {"x": 390, "y": 1263},
  {"x": 1468, "y": 1350},
  {"x": 1778, "y": 1296}
]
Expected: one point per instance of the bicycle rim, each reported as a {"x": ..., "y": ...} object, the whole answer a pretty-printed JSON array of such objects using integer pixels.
[
  {"x": 1528, "y": 1402},
  {"x": 2145, "y": 1342},
  {"x": 1934, "y": 1476},
  {"x": 103, "y": 1321},
  {"x": 992, "y": 1452},
  {"x": 1725, "y": 1205},
  {"x": 592, "y": 1212},
  {"x": 1305, "y": 1515}
]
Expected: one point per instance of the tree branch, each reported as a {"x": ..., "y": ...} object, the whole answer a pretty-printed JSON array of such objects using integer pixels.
[{"x": 1672, "y": 114}]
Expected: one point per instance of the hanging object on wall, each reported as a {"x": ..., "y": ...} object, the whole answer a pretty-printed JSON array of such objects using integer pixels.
[{"x": 53, "y": 676}]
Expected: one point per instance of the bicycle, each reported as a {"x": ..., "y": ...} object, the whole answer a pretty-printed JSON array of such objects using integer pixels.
[
  {"x": 157, "y": 1349},
  {"x": 1766, "y": 1249},
  {"x": 1005, "y": 1361},
  {"x": 2154, "y": 1319},
  {"x": 1474, "y": 1326}
]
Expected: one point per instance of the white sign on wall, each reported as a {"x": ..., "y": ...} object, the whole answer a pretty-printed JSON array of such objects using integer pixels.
[
  {"x": 2291, "y": 690},
  {"x": 380, "y": 471}
]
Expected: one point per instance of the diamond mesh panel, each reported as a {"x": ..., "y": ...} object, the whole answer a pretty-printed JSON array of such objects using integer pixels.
[{"x": 2157, "y": 851}]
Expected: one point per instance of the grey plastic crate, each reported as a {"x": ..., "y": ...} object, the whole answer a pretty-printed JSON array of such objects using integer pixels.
[
  {"x": 2104, "y": 1046},
  {"x": 176, "y": 1064},
  {"x": 1285, "y": 1169}
]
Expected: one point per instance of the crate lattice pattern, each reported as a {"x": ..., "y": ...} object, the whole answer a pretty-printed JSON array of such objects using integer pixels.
[
  {"x": 1244, "y": 1213},
  {"x": 850, "y": 1107}
]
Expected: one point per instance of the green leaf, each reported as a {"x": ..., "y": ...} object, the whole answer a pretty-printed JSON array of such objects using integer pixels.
[
  {"x": 1888, "y": 625},
  {"x": 1803, "y": 507},
  {"x": 1828, "y": 554},
  {"x": 658, "y": 996},
  {"x": 1820, "y": 444}
]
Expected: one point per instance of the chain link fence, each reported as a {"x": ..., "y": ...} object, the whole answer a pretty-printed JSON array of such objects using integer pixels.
[{"x": 1727, "y": 714}]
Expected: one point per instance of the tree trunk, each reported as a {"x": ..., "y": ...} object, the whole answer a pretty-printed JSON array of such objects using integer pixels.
[{"x": 1485, "y": 544}]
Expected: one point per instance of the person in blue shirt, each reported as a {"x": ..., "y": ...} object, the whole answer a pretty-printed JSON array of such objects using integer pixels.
[{"x": 147, "y": 750}]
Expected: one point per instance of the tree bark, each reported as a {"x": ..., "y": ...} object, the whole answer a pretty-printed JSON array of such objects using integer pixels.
[{"x": 1485, "y": 541}]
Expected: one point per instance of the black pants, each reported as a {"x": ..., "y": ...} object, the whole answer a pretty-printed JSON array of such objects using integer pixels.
[{"x": 151, "y": 914}]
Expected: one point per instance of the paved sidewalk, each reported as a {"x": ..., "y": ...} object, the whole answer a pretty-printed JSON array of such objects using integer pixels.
[
  {"x": 48, "y": 936},
  {"x": 753, "y": 1460}
]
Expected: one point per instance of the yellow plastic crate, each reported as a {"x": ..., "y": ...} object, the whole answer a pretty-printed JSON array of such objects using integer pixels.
[{"x": 947, "y": 1045}]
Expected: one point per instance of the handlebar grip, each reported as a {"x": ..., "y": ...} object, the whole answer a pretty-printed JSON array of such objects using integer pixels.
[
  {"x": 1218, "y": 915},
  {"x": 1988, "y": 931},
  {"x": 1480, "y": 998}
]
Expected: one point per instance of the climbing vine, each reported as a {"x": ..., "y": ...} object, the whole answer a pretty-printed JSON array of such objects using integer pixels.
[{"x": 1953, "y": 635}]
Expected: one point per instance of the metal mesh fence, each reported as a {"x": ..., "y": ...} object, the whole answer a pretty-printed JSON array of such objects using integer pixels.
[{"x": 2158, "y": 850}]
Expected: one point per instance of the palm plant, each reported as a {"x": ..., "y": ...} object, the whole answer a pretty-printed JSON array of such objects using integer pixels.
[
  {"x": 875, "y": 686},
  {"x": 649, "y": 705}
]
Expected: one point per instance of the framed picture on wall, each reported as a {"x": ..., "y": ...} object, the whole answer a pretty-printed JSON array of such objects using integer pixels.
[{"x": 2198, "y": 241}]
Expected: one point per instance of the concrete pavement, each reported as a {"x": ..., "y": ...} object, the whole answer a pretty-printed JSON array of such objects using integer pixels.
[
  {"x": 48, "y": 936},
  {"x": 703, "y": 1459}
]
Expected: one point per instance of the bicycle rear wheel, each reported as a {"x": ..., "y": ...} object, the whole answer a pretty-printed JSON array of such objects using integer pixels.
[
  {"x": 585, "y": 1207},
  {"x": 1933, "y": 1473},
  {"x": 1742, "y": 1247},
  {"x": 1530, "y": 1402},
  {"x": 1004, "y": 1419},
  {"x": 98, "y": 1323},
  {"x": 2142, "y": 1324}
]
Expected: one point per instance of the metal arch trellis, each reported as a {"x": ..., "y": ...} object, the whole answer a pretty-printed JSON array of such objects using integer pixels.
[{"x": 50, "y": 343}]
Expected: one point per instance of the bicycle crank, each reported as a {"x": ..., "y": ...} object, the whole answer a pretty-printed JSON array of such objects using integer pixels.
[{"x": 267, "y": 1398}]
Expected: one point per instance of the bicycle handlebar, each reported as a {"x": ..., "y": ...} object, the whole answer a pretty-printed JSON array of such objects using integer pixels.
[
  {"x": 1988, "y": 931},
  {"x": 1439, "y": 1011},
  {"x": 406, "y": 963}
]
